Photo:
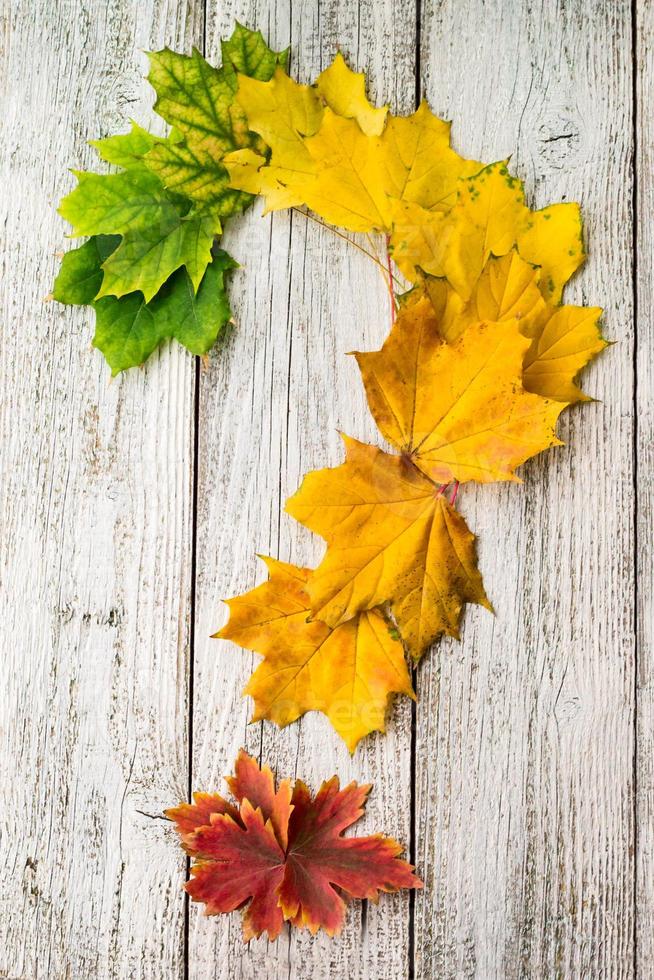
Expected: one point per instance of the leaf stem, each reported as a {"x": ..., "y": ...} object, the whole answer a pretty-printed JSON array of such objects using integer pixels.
[
  {"x": 389, "y": 268},
  {"x": 323, "y": 224}
]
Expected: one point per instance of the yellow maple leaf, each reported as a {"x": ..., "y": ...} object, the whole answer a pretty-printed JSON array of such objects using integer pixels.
[
  {"x": 489, "y": 218},
  {"x": 507, "y": 289},
  {"x": 553, "y": 240},
  {"x": 347, "y": 161},
  {"x": 421, "y": 166},
  {"x": 416, "y": 241},
  {"x": 458, "y": 410},
  {"x": 347, "y": 188},
  {"x": 564, "y": 341},
  {"x": 344, "y": 91},
  {"x": 283, "y": 113},
  {"x": 391, "y": 537},
  {"x": 348, "y": 673},
  {"x": 563, "y": 338}
]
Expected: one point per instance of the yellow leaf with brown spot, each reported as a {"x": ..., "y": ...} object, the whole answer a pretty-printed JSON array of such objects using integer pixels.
[
  {"x": 348, "y": 673},
  {"x": 344, "y": 91},
  {"x": 391, "y": 537},
  {"x": 458, "y": 410}
]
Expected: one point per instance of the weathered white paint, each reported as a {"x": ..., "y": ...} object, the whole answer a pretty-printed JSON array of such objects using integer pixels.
[
  {"x": 95, "y": 530},
  {"x": 525, "y": 729},
  {"x": 524, "y": 746},
  {"x": 644, "y": 771}
]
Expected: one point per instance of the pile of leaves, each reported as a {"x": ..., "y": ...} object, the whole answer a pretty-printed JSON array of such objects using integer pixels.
[
  {"x": 280, "y": 852},
  {"x": 480, "y": 361}
]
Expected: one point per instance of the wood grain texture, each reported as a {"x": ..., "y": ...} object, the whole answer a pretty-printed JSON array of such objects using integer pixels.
[
  {"x": 270, "y": 408},
  {"x": 525, "y": 786},
  {"x": 95, "y": 527},
  {"x": 644, "y": 65},
  {"x": 525, "y": 744}
]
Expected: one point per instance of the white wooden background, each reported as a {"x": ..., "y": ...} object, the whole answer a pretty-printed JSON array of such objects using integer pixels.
[{"x": 523, "y": 783}]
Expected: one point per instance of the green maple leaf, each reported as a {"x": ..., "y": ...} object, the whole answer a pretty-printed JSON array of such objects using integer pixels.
[
  {"x": 199, "y": 102},
  {"x": 147, "y": 269},
  {"x": 248, "y": 53},
  {"x": 126, "y": 150},
  {"x": 129, "y": 329},
  {"x": 158, "y": 237}
]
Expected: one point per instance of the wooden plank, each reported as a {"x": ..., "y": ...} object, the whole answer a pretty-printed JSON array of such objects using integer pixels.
[
  {"x": 270, "y": 408},
  {"x": 525, "y": 741},
  {"x": 95, "y": 520},
  {"x": 644, "y": 66}
]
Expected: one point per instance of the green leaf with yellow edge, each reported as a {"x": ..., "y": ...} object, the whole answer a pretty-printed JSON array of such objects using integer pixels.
[
  {"x": 249, "y": 54},
  {"x": 348, "y": 673},
  {"x": 126, "y": 150},
  {"x": 391, "y": 537},
  {"x": 199, "y": 101},
  {"x": 344, "y": 91},
  {"x": 158, "y": 238},
  {"x": 80, "y": 274},
  {"x": 128, "y": 329},
  {"x": 112, "y": 204},
  {"x": 147, "y": 258}
]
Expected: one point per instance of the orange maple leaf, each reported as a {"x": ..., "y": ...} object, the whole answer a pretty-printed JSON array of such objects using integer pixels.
[
  {"x": 458, "y": 410},
  {"x": 391, "y": 537},
  {"x": 283, "y": 853},
  {"x": 348, "y": 673}
]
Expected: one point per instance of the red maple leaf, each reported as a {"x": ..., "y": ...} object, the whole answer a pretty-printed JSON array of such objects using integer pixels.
[{"x": 284, "y": 852}]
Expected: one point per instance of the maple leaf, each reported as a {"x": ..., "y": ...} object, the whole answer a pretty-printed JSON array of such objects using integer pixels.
[
  {"x": 157, "y": 236},
  {"x": 282, "y": 112},
  {"x": 564, "y": 341},
  {"x": 458, "y": 410},
  {"x": 198, "y": 100},
  {"x": 420, "y": 165},
  {"x": 563, "y": 338},
  {"x": 249, "y": 54},
  {"x": 347, "y": 673},
  {"x": 127, "y": 150},
  {"x": 284, "y": 853},
  {"x": 341, "y": 160},
  {"x": 344, "y": 91},
  {"x": 490, "y": 218},
  {"x": 128, "y": 329},
  {"x": 391, "y": 537}
]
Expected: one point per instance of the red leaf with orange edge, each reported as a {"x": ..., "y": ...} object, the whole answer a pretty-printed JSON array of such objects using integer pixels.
[{"x": 283, "y": 854}]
